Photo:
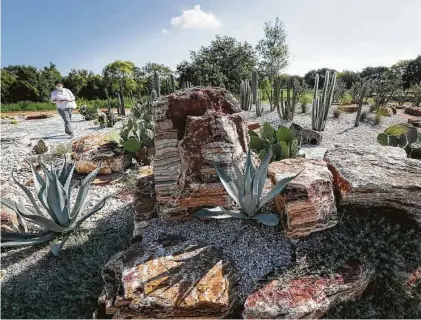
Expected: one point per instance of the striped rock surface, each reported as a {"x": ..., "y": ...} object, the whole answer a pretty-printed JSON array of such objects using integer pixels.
[
  {"x": 307, "y": 201},
  {"x": 377, "y": 179},
  {"x": 194, "y": 128},
  {"x": 307, "y": 296},
  {"x": 167, "y": 279}
]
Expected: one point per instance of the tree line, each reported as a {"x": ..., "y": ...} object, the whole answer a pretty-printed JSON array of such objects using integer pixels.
[{"x": 225, "y": 62}]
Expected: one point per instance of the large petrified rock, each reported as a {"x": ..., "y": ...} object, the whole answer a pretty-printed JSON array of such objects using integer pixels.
[
  {"x": 167, "y": 279},
  {"x": 412, "y": 110},
  {"x": 377, "y": 179},
  {"x": 91, "y": 150},
  {"x": 308, "y": 200},
  {"x": 307, "y": 296},
  {"x": 307, "y": 136},
  {"x": 195, "y": 127},
  {"x": 144, "y": 201}
]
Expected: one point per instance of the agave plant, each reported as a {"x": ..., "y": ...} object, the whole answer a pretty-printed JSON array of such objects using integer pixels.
[
  {"x": 53, "y": 193},
  {"x": 247, "y": 193}
]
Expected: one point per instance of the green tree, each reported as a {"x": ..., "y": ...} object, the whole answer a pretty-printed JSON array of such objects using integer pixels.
[
  {"x": 412, "y": 75},
  {"x": 8, "y": 80},
  {"x": 25, "y": 88},
  {"x": 144, "y": 77},
  {"x": 273, "y": 49},
  {"x": 310, "y": 76},
  {"x": 76, "y": 80},
  {"x": 94, "y": 87},
  {"x": 225, "y": 59},
  {"x": 46, "y": 81},
  {"x": 373, "y": 73},
  {"x": 120, "y": 73},
  {"x": 349, "y": 77}
]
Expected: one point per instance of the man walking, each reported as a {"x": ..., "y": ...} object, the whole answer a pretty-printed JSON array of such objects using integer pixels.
[{"x": 65, "y": 102}]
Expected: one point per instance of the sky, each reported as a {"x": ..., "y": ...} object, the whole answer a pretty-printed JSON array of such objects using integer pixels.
[{"x": 88, "y": 34}]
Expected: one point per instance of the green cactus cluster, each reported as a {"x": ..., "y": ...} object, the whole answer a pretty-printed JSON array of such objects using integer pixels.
[
  {"x": 403, "y": 135},
  {"x": 172, "y": 83},
  {"x": 186, "y": 85},
  {"x": 286, "y": 109},
  {"x": 254, "y": 85},
  {"x": 258, "y": 104},
  {"x": 321, "y": 104},
  {"x": 245, "y": 95},
  {"x": 281, "y": 142}
]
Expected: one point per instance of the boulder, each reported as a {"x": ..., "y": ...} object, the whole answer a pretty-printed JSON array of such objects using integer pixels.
[
  {"x": 167, "y": 279},
  {"x": 398, "y": 129},
  {"x": 253, "y": 125},
  {"x": 91, "y": 150},
  {"x": 412, "y": 110},
  {"x": 313, "y": 153},
  {"x": 377, "y": 179},
  {"x": 307, "y": 136},
  {"x": 40, "y": 148},
  {"x": 308, "y": 200},
  {"x": 414, "y": 150},
  {"x": 144, "y": 200},
  {"x": 415, "y": 121},
  {"x": 309, "y": 296},
  {"x": 394, "y": 110},
  {"x": 194, "y": 128}
]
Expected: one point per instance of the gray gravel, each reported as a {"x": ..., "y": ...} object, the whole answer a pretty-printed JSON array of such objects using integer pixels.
[
  {"x": 338, "y": 130},
  {"x": 255, "y": 250}
]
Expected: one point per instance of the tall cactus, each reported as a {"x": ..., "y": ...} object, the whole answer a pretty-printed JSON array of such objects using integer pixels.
[
  {"x": 108, "y": 100},
  {"x": 245, "y": 95},
  {"x": 222, "y": 85},
  {"x": 286, "y": 110},
  {"x": 321, "y": 104},
  {"x": 157, "y": 83},
  {"x": 153, "y": 95},
  {"x": 172, "y": 78},
  {"x": 123, "y": 107},
  {"x": 275, "y": 95},
  {"x": 254, "y": 85},
  {"x": 258, "y": 104}
]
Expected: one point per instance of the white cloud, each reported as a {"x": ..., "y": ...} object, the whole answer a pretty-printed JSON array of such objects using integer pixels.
[
  {"x": 164, "y": 31},
  {"x": 196, "y": 19}
]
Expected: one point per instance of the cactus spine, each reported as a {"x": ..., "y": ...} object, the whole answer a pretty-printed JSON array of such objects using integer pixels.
[
  {"x": 157, "y": 83},
  {"x": 254, "y": 85},
  {"x": 286, "y": 110},
  {"x": 172, "y": 78},
  {"x": 259, "y": 107},
  {"x": 245, "y": 95},
  {"x": 321, "y": 104}
]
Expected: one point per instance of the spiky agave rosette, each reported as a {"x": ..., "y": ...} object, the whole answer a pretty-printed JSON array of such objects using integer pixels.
[
  {"x": 247, "y": 193},
  {"x": 54, "y": 195}
]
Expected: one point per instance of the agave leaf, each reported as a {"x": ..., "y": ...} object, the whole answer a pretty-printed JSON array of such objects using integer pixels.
[
  {"x": 248, "y": 174},
  {"x": 38, "y": 180},
  {"x": 57, "y": 201},
  {"x": 261, "y": 176},
  {"x": 100, "y": 204},
  {"x": 27, "y": 214},
  {"x": 276, "y": 190},
  {"x": 268, "y": 219},
  {"x": 27, "y": 241},
  {"x": 240, "y": 183},
  {"x": 225, "y": 179},
  {"x": 83, "y": 190},
  {"x": 55, "y": 248},
  {"x": 219, "y": 213},
  {"x": 82, "y": 208},
  {"x": 63, "y": 172},
  {"x": 28, "y": 193},
  {"x": 250, "y": 204}
]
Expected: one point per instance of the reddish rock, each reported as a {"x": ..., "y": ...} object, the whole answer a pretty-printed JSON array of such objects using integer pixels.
[
  {"x": 350, "y": 108},
  {"x": 308, "y": 200},
  {"x": 415, "y": 121},
  {"x": 413, "y": 283},
  {"x": 195, "y": 127},
  {"x": 167, "y": 279},
  {"x": 10, "y": 221},
  {"x": 91, "y": 150},
  {"x": 39, "y": 116},
  {"x": 412, "y": 110},
  {"x": 377, "y": 179},
  {"x": 308, "y": 296},
  {"x": 253, "y": 125}
]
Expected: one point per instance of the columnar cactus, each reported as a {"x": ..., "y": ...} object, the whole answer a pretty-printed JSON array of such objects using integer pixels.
[
  {"x": 286, "y": 110},
  {"x": 321, "y": 104},
  {"x": 172, "y": 78},
  {"x": 245, "y": 95},
  {"x": 258, "y": 104},
  {"x": 276, "y": 92},
  {"x": 222, "y": 85},
  {"x": 254, "y": 85},
  {"x": 157, "y": 83}
]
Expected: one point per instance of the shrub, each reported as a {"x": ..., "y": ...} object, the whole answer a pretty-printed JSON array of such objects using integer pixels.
[
  {"x": 304, "y": 101},
  {"x": 378, "y": 118},
  {"x": 363, "y": 116},
  {"x": 14, "y": 121},
  {"x": 345, "y": 99}
]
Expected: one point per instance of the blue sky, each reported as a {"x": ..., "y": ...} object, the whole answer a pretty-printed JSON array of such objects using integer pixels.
[{"x": 345, "y": 34}]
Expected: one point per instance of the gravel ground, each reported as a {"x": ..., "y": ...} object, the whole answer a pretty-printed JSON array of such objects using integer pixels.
[
  {"x": 254, "y": 250},
  {"x": 338, "y": 130}
]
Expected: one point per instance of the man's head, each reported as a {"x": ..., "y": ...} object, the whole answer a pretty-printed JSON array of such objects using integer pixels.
[{"x": 59, "y": 85}]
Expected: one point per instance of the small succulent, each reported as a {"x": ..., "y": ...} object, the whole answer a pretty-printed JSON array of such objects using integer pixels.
[
  {"x": 281, "y": 142},
  {"x": 54, "y": 195},
  {"x": 247, "y": 193}
]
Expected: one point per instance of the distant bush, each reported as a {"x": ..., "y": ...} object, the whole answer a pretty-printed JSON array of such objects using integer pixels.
[
  {"x": 337, "y": 112},
  {"x": 345, "y": 99}
]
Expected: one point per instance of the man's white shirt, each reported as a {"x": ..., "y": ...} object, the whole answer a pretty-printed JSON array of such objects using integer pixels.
[{"x": 62, "y": 95}]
